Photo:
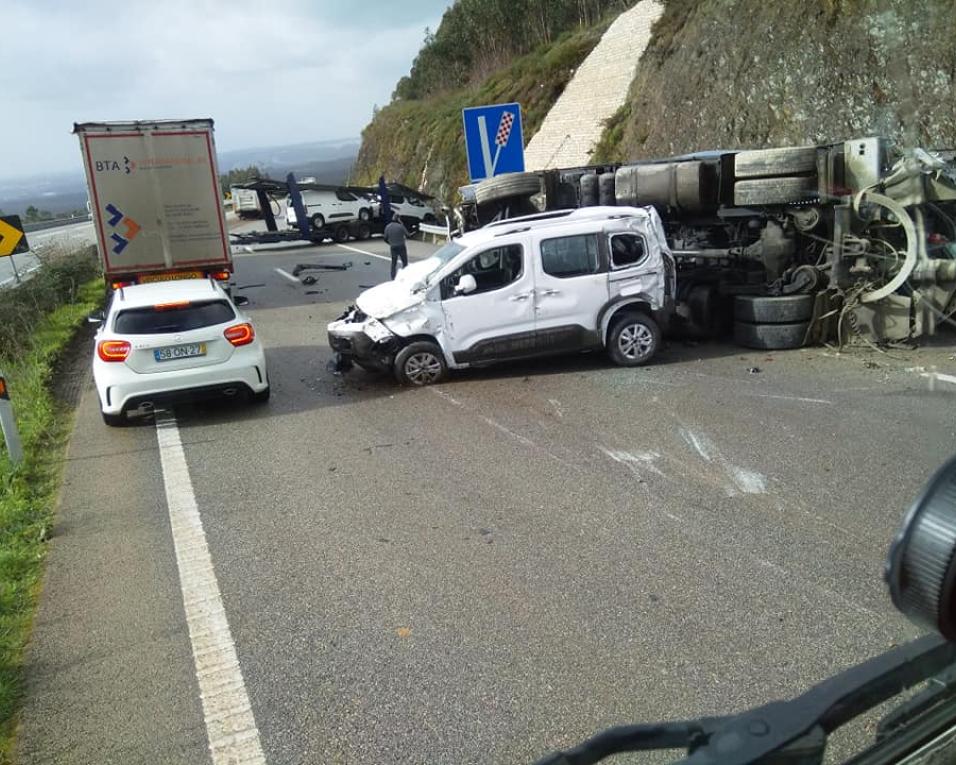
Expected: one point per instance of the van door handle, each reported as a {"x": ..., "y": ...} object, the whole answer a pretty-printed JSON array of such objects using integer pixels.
[
  {"x": 550, "y": 292},
  {"x": 521, "y": 296}
]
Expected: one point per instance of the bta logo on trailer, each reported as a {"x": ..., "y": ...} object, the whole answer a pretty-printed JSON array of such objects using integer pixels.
[{"x": 493, "y": 140}]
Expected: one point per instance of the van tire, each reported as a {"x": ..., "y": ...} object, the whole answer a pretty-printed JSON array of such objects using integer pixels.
[
  {"x": 318, "y": 221},
  {"x": 786, "y": 309},
  {"x": 420, "y": 363},
  {"x": 365, "y": 214},
  {"x": 506, "y": 186},
  {"x": 760, "y": 163},
  {"x": 770, "y": 337},
  {"x": 633, "y": 340}
]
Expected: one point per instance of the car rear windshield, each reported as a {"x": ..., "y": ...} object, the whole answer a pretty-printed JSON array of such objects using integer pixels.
[{"x": 156, "y": 320}]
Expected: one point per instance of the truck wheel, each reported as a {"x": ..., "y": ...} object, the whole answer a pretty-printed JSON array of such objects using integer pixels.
[
  {"x": 507, "y": 185},
  {"x": 787, "y": 309},
  {"x": 318, "y": 221},
  {"x": 420, "y": 363},
  {"x": 633, "y": 340},
  {"x": 760, "y": 163},
  {"x": 365, "y": 214},
  {"x": 363, "y": 231},
  {"x": 606, "y": 190},
  {"x": 341, "y": 233},
  {"x": 589, "y": 189},
  {"x": 774, "y": 191},
  {"x": 770, "y": 337}
]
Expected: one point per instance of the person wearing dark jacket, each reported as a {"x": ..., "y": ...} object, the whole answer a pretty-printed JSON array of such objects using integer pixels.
[{"x": 395, "y": 234}]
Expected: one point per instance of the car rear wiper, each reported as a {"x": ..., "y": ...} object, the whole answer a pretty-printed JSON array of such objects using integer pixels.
[{"x": 796, "y": 731}]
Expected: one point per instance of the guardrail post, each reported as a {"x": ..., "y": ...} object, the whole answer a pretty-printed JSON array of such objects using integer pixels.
[{"x": 8, "y": 424}]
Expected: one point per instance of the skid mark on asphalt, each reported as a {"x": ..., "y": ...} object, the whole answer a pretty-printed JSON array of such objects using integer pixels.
[
  {"x": 636, "y": 462},
  {"x": 230, "y": 725},
  {"x": 741, "y": 480}
]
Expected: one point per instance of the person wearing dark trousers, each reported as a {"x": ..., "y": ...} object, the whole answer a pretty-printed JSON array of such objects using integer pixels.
[{"x": 395, "y": 235}]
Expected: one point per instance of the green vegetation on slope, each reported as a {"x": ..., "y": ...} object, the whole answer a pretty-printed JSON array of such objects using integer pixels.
[
  {"x": 476, "y": 38},
  {"x": 420, "y": 142},
  {"x": 47, "y": 310}
]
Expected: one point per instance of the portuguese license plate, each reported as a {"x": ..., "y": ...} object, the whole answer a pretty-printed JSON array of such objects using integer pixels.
[
  {"x": 171, "y": 352},
  {"x": 169, "y": 277}
]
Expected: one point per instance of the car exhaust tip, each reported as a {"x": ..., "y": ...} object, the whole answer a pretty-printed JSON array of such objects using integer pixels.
[
  {"x": 147, "y": 406},
  {"x": 230, "y": 391}
]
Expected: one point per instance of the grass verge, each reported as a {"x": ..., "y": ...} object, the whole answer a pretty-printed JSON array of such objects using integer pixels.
[{"x": 28, "y": 493}]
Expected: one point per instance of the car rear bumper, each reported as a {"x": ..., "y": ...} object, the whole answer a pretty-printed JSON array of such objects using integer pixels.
[{"x": 120, "y": 389}]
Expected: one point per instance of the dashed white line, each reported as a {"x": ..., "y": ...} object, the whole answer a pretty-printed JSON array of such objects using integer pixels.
[
  {"x": 230, "y": 725},
  {"x": 287, "y": 275},
  {"x": 365, "y": 252}
]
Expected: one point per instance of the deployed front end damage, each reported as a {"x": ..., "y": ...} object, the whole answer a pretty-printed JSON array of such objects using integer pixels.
[{"x": 356, "y": 337}]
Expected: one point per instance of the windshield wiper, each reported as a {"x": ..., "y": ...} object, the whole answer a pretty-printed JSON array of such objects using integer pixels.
[{"x": 795, "y": 731}]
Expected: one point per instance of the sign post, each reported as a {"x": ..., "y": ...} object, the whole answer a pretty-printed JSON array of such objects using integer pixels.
[
  {"x": 8, "y": 424},
  {"x": 12, "y": 240},
  {"x": 493, "y": 153}
]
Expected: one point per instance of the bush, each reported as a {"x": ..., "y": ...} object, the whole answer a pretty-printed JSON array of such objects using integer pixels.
[{"x": 56, "y": 284}]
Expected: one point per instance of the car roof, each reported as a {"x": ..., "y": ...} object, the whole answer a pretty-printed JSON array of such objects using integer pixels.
[
  {"x": 553, "y": 221},
  {"x": 139, "y": 295}
]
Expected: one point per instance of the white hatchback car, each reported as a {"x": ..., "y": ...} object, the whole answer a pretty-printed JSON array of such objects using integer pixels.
[{"x": 172, "y": 341}]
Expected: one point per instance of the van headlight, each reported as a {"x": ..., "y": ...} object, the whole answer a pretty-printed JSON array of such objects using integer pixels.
[{"x": 376, "y": 330}]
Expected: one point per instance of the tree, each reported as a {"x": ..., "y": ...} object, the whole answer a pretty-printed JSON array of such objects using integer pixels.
[{"x": 239, "y": 175}]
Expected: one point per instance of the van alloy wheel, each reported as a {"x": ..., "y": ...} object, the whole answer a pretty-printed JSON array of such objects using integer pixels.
[
  {"x": 635, "y": 341},
  {"x": 422, "y": 368}
]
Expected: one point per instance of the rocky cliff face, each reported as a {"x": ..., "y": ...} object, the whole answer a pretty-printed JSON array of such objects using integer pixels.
[{"x": 723, "y": 74}]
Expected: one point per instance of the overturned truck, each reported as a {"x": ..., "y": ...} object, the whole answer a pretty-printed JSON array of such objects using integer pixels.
[{"x": 846, "y": 242}]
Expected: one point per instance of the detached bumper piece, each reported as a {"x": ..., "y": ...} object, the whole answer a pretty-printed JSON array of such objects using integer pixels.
[{"x": 364, "y": 351}]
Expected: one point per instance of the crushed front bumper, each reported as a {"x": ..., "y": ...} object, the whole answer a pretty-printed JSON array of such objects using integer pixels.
[{"x": 366, "y": 341}]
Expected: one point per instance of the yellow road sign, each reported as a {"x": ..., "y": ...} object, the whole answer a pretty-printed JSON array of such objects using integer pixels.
[{"x": 12, "y": 239}]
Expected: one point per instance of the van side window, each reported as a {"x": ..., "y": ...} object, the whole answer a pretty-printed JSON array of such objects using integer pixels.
[
  {"x": 396, "y": 199},
  {"x": 627, "y": 250},
  {"x": 345, "y": 196},
  {"x": 569, "y": 256},
  {"x": 492, "y": 269}
]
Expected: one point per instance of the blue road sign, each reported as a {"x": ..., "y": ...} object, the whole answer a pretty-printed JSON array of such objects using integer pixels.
[{"x": 493, "y": 140}]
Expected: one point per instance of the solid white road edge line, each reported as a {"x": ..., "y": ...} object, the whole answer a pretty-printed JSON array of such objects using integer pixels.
[
  {"x": 365, "y": 252},
  {"x": 287, "y": 275},
  {"x": 230, "y": 725}
]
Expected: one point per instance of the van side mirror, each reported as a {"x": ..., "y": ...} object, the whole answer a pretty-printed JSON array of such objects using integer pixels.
[
  {"x": 466, "y": 285},
  {"x": 97, "y": 317}
]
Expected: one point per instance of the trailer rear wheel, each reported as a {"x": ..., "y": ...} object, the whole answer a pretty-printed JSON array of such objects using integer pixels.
[
  {"x": 341, "y": 233},
  {"x": 786, "y": 309},
  {"x": 506, "y": 186},
  {"x": 363, "y": 231},
  {"x": 770, "y": 337}
]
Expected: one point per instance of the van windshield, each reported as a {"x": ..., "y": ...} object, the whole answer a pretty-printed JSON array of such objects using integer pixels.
[{"x": 441, "y": 257}]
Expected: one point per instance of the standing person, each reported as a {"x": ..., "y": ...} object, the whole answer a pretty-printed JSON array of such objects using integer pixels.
[{"x": 395, "y": 234}]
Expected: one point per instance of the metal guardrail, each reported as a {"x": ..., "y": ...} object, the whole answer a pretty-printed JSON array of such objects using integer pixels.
[{"x": 443, "y": 232}]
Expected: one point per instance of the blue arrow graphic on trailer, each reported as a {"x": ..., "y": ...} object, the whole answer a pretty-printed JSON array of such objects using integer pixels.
[
  {"x": 117, "y": 215},
  {"x": 120, "y": 244}
]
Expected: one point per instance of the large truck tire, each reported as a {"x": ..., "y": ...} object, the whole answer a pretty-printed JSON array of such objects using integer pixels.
[
  {"x": 589, "y": 190},
  {"x": 761, "y": 163},
  {"x": 606, "y": 190},
  {"x": 774, "y": 191},
  {"x": 786, "y": 309},
  {"x": 770, "y": 337},
  {"x": 507, "y": 185}
]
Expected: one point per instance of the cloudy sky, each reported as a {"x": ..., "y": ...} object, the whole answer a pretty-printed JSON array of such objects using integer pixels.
[{"x": 268, "y": 73}]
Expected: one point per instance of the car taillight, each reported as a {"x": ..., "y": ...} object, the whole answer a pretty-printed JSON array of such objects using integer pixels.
[
  {"x": 220, "y": 276},
  {"x": 113, "y": 350},
  {"x": 240, "y": 334},
  {"x": 120, "y": 285}
]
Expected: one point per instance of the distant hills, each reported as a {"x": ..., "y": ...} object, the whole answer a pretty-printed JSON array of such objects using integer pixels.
[{"x": 328, "y": 161}]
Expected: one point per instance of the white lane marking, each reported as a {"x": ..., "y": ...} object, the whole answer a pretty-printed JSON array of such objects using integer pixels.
[
  {"x": 521, "y": 439},
  {"x": 230, "y": 725},
  {"x": 933, "y": 376},
  {"x": 365, "y": 252},
  {"x": 801, "y": 399},
  {"x": 448, "y": 397},
  {"x": 287, "y": 275},
  {"x": 557, "y": 408}
]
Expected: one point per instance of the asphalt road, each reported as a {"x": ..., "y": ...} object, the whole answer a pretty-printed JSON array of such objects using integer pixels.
[{"x": 490, "y": 569}]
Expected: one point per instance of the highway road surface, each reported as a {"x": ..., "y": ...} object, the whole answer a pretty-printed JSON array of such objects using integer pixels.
[{"x": 479, "y": 572}]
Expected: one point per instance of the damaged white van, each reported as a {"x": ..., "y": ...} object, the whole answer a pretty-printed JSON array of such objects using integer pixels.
[{"x": 557, "y": 282}]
